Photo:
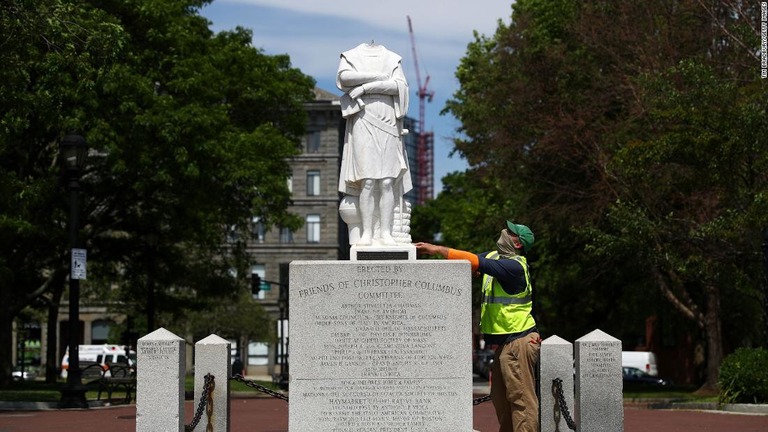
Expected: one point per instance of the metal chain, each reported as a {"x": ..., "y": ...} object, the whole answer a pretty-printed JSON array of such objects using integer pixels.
[
  {"x": 209, "y": 407},
  {"x": 481, "y": 399},
  {"x": 259, "y": 387},
  {"x": 557, "y": 387},
  {"x": 206, "y": 399}
]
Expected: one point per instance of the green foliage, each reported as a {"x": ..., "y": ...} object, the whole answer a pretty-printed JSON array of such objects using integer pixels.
[
  {"x": 240, "y": 318},
  {"x": 467, "y": 214},
  {"x": 743, "y": 377},
  {"x": 636, "y": 152},
  {"x": 189, "y": 135}
]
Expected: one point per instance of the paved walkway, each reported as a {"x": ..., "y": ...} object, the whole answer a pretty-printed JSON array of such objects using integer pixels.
[{"x": 271, "y": 415}]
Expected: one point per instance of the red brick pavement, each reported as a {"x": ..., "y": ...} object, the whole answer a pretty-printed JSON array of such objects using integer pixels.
[{"x": 271, "y": 415}]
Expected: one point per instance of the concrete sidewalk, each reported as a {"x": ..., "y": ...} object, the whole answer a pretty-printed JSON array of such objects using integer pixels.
[{"x": 267, "y": 414}]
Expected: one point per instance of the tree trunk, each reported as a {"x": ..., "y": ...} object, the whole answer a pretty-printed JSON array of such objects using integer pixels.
[{"x": 714, "y": 331}]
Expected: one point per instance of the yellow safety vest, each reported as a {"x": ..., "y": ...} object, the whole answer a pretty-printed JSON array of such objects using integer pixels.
[{"x": 502, "y": 313}]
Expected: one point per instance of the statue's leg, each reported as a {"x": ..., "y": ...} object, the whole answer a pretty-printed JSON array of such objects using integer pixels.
[
  {"x": 387, "y": 210},
  {"x": 367, "y": 205}
]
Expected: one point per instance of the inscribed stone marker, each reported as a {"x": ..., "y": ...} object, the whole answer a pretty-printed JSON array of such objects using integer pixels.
[
  {"x": 380, "y": 345},
  {"x": 599, "y": 399},
  {"x": 160, "y": 382}
]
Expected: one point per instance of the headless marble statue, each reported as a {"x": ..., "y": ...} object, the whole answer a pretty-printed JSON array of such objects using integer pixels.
[{"x": 374, "y": 164}]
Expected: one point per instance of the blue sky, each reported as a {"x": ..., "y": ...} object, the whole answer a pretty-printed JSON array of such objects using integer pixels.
[{"x": 314, "y": 32}]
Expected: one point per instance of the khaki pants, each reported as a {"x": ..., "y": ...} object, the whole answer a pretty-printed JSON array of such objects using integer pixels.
[{"x": 513, "y": 384}]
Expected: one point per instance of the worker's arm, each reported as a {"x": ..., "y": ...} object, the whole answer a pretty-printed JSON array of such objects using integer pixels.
[{"x": 446, "y": 252}]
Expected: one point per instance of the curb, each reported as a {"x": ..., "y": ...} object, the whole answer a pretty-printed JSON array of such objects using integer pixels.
[{"x": 760, "y": 409}]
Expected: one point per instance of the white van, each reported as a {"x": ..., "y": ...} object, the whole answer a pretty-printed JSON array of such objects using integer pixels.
[
  {"x": 643, "y": 360},
  {"x": 100, "y": 354}
]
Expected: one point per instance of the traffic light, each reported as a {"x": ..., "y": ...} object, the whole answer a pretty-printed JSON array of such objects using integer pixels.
[{"x": 255, "y": 283}]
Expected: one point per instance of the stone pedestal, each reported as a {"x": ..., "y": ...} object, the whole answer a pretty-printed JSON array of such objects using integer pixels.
[
  {"x": 213, "y": 356},
  {"x": 556, "y": 362},
  {"x": 380, "y": 346},
  {"x": 160, "y": 382},
  {"x": 599, "y": 384}
]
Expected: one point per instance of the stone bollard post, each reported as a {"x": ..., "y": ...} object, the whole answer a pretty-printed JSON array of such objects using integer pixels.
[
  {"x": 556, "y": 361},
  {"x": 160, "y": 382},
  {"x": 599, "y": 398},
  {"x": 212, "y": 356}
]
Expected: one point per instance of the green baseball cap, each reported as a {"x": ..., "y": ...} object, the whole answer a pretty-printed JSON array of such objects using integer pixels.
[{"x": 525, "y": 234}]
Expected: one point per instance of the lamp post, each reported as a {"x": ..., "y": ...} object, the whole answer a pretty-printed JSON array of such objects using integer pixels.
[
  {"x": 282, "y": 302},
  {"x": 73, "y": 150}
]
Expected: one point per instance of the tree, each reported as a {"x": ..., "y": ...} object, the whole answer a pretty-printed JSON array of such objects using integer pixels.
[
  {"x": 189, "y": 135},
  {"x": 693, "y": 199},
  {"x": 581, "y": 118},
  {"x": 238, "y": 318}
]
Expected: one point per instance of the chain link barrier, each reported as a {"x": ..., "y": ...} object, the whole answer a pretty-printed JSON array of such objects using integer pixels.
[
  {"x": 204, "y": 404},
  {"x": 206, "y": 400},
  {"x": 259, "y": 387},
  {"x": 557, "y": 390}
]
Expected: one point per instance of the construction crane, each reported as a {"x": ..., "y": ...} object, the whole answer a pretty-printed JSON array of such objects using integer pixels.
[{"x": 425, "y": 143}]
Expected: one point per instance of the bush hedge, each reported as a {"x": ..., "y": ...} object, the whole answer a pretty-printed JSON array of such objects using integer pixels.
[{"x": 744, "y": 376}]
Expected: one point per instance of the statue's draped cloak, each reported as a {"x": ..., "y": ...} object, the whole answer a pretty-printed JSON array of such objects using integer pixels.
[{"x": 373, "y": 144}]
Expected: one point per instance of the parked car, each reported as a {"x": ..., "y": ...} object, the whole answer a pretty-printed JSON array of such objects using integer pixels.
[
  {"x": 643, "y": 360},
  {"x": 481, "y": 362},
  {"x": 26, "y": 375},
  {"x": 635, "y": 378}
]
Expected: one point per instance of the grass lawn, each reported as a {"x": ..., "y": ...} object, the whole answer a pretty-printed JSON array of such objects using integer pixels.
[{"x": 39, "y": 391}]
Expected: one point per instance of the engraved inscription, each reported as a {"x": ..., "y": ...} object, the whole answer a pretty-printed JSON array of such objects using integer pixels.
[
  {"x": 382, "y": 337},
  {"x": 378, "y": 404},
  {"x": 158, "y": 350},
  {"x": 379, "y": 348},
  {"x": 600, "y": 362}
]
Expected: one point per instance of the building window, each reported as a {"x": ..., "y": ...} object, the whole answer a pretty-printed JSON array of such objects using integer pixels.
[
  {"x": 258, "y": 354},
  {"x": 258, "y": 231},
  {"x": 290, "y": 183},
  {"x": 313, "y": 183},
  {"x": 259, "y": 269},
  {"x": 313, "y": 228},
  {"x": 100, "y": 331},
  {"x": 286, "y": 235},
  {"x": 313, "y": 142}
]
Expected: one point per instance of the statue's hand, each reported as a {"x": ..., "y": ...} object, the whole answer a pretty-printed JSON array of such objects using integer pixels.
[{"x": 356, "y": 92}]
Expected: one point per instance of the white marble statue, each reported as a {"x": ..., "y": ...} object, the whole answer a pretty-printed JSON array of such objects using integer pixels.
[{"x": 374, "y": 166}]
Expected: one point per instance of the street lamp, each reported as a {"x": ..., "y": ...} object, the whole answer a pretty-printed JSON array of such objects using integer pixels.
[
  {"x": 282, "y": 303},
  {"x": 73, "y": 151}
]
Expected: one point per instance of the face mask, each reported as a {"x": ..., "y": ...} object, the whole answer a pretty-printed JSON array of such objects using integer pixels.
[{"x": 504, "y": 244}]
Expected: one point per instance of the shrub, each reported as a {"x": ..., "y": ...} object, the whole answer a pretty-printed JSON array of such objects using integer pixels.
[{"x": 744, "y": 376}]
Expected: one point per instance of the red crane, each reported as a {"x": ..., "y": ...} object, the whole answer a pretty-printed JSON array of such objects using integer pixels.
[{"x": 424, "y": 155}]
